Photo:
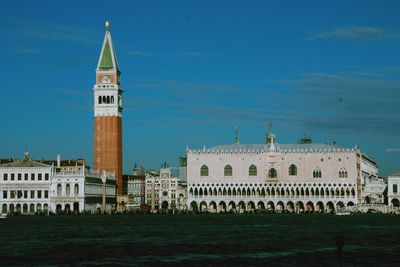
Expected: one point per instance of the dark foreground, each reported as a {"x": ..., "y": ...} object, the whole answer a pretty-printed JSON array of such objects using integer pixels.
[{"x": 224, "y": 240}]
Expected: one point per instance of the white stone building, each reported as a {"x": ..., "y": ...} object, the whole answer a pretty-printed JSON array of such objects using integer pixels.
[
  {"x": 29, "y": 186},
  {"x": 67, "y": 191},
  {"x": 393, "y": 190},
  {"x": 136, "y": 188},
  {"x": 24, "y": 186},
  {"x": 82, "y": 191},
  {"x": 162, "y": 190},
  {"x": 271, "y": 176},
  {"x": 372, "y": 186}
]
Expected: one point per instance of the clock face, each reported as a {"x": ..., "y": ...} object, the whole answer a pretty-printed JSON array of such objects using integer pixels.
[{"x": 106, "y": 79}]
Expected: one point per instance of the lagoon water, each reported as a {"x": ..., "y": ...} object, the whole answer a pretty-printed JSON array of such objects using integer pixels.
[{"x": 194, "y": 240}]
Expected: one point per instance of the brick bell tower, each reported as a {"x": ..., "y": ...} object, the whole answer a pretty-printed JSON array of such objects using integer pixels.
[{"x": 108, "y": 112}]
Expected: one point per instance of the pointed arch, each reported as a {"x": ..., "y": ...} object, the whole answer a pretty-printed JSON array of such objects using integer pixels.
[
  {"x": 228, "y": 170},
  {"x": 263, "y": 192},
  {"x": 272, "y": 173},
  {"x": 317, "y": 173},
  {"x": 292, "y": 170},
  {"x": 204, "y": 170},
  {"x": 353, "y": 192},
  {"x": 253, "y": 170}
]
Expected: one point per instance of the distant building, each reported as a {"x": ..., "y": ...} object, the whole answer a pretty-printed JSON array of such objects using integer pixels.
[
  {"x": 29, "y": 186},
  {"x": 67, "y": 191},
  {"x": 162, "y": 190},
  {"x": 183, "y": 169},
  {"x": 69, "y": 165},
  {"x": 181, "y": 203},
  {"x": 394, "y": 190},
  {"x": 24, "y": 186},
  {"x": 136, "y": 188},
  {"x": 276, "y": 177},
  {"x": 9, "y": 160},
  {"x": 100, "y": 192},
  {"x": 78, "y": 191},
  {"x": 372, "y": 186}
]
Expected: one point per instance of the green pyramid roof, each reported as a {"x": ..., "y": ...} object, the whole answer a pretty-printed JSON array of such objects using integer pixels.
[{"x": 108, "y": 60}]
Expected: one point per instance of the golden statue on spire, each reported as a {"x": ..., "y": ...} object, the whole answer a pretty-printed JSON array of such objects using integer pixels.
[{"x": 107, "y": 25}]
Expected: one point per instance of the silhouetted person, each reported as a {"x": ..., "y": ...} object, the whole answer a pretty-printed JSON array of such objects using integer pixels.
[{"x": 339, "y": 246}]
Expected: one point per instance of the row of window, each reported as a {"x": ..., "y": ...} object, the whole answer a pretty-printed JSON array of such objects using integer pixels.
[
  {"x": 18, "y": 176},
  {"x": 24, "y": 208},
  {"x": 67, "y": 189},
  {"x": 13, "y": 194},
  {"x": 106, "y": 99},
  {"x": 272, "y": 173}
]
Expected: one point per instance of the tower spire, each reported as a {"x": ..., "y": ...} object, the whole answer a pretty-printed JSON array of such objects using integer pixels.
[
  {"x": 270, "y": 138},
  {"x": 236, "y": 136},
  {"x": 108, "y": 58}
]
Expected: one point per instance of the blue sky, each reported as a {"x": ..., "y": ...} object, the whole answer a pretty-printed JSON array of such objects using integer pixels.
[{"x": 193, "y": 70}]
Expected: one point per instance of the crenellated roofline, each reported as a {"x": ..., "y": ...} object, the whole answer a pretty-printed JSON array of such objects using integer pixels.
[{"x": 280, "y": 148}]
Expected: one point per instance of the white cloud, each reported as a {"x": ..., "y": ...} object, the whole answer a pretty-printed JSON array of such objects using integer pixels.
[{"x": 363, "y": 33}]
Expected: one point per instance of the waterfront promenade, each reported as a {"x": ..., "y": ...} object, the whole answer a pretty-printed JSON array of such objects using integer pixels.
[{"x": 204, "y": 239}]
